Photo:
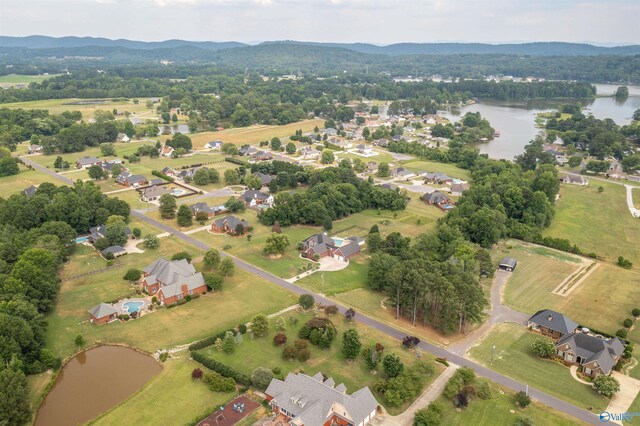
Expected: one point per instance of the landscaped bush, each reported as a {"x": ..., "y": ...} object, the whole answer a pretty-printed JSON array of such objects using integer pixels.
[
  {"x": 299, "y": 350},
  {"x": 219, "y": 383},
  {"x": 443, "y": 361},
  {"x": 543, "y": 347},
  {"x": 261, "y": 377},
  {"x": 622, "y": 333},
  {"x": 242, "y": 328},
  {"x": 429, "y": 416},
  {"x": 461, "y": 378},
  {"x": 132, "y": 275},
  {"x": 306, "y": 301},
  {"x": 331, "y": 310},
  {"x": 79, "y": 340},
  {"x": 523, "y": 421},
  {"x": 221, "y": 368},
  {"x": 410, "y": 341},
  {"x": 606, "y": 385},
  {"x": 627, "y": 323},
  {"x": 209, "y": 341},
  {"x": 349, "y": 314},
  {"x": 636, "y": 312},
  {"x": 196, "y": 373},
  {"x": 484, "y": 392},
  {"x": 164, "y": 356},
  {"x": 522, "y": 399},
  {"x": 279, "y": 339},
  {"x": 260, "y": 325},
  {"x": 407, "y": 384},
  {"x": 319, "y": 331}
]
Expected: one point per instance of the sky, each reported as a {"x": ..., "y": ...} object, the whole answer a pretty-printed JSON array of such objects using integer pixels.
[{"x": 368, "y": 21}]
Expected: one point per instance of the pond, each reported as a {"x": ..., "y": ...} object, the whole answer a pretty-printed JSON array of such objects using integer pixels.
[
  {"x": 94, "y": 381},
  {"x": 515, "y": 119},
  {"x": 173, "y": 129}
]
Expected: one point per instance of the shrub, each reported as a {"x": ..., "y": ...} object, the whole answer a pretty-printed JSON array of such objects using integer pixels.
[
  {"x": 622, "y": 333},
  {"x": 260, "y": 325},
  {"x": 543, "y": 347},
  {"x": 164, "y": 356},
  {"x": 221, "y": 368},
  {"x": 279, "y": 339},
  {"x": 132, "y": 275},
  {"x": 79, "y": 340},
  {"x": 606, "y": 385},
  {"x": 281, "y": 324},
  {"x": 196, "y": 373},
  {"x": 628, "y": 322},
  {"x": 429, "y": 416},
  {"x": 276, "y": 370},
  {"x": 410, "y": 341},
  {"x": 349, "y": 314},
  {"x": 484, "y": 392},
  {"x": 443, "y": 361},
  {"x": 392, "y": 365},
  {"x": 460, "y": 400},
  {"x": 523, "y": 421},
  {"x": 331, "y": 310},
  {"x": 351, "y": 344},
  {"x": 242, "y": 328},
  {"x": 289, "y": 353},
  {"x": 522, "y": 399},
  {"x": 306, "y": 301},
  {"x": 261, "y": 377},
  {"x": 182, "y": 255},
  {"x": 218, "y": 383},
  {"x": 228, "y": 343},
  {"x": 319, "y": 331},
  {"x": 304, "y": 354},
  {"x": 636, "y": 312}
]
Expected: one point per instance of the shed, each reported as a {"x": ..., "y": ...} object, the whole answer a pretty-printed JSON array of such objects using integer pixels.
[{"x": 508, "y": 264}]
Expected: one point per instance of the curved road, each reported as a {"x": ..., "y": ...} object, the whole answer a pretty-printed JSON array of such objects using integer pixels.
[{"x": 497, "y": 312}]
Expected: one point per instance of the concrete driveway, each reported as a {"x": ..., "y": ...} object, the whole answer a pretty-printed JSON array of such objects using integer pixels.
[
  {"x": 629, "y": 388},
  {"x": 329, "y": 264}
]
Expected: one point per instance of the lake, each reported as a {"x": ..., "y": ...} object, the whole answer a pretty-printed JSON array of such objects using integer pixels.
[
  {"x": 515, "y": 119},
  {"x": 94, "y": 381}
]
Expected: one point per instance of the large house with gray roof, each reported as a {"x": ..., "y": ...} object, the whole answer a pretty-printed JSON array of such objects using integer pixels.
[
  {"x": 595, "y": 354},
  {"x": 314, "y": 401},
  {"x": 172, "y": 280},
  {"x": 230, "y": 224},
  {"x": 552, "y": 324},
  {"x": 254, "y": 198},
  {"x": 321, "y": 245}
]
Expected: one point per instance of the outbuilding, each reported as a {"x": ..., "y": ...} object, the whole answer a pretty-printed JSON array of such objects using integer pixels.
[{"x": 508, "y": 264}]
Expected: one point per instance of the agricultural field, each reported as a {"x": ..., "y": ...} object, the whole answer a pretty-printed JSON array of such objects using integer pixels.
[
  {"x": 261, "y": 352},
  {"x": 513, "y": 357},
  {"x": 11, "y": 80},
  {"x": 162, "y": 328},
  {"x": 88, "y": 107},
  {"x": 155, "y": 402},
  {"x": 500, "y": 410},
  {"x": 252, "y": 134}
]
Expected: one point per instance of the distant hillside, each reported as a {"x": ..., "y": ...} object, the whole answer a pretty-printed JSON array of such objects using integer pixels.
[
  {"x": 45, "y": 42},
  {"x": 532, "y": 49}
]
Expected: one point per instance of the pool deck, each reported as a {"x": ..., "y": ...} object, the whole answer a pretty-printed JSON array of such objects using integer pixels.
[{"x": 121, "y": 310}]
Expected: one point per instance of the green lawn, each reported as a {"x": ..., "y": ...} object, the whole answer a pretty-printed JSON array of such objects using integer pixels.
[
  {"x": 12, "y": 79},
  {"x": 352, "y": 277},
  {"x": 57, "y": 106},
  {"x": 171, "y": 397},
  {"x": 10, "y": 185},
  {"x": 540, "y": 270},
  {"x": 634, "y": 408},
  {"x": 382, "y": 157},
  {"x": 432, "y": 166},
  {"x": 261, "y": 352},
  {"x": 513, "y": 357},
  {"x": 163, "y": 328},
  {"x": 500, "y": 410}
]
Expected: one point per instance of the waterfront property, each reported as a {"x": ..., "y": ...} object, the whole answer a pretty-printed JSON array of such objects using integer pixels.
[
  {"x": 172, "y": 280},
  {"x": 102, "y": 314},
  {"x": 313, "y": 400}
]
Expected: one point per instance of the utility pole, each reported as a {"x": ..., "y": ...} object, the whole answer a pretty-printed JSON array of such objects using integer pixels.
[
  {"x": 493, "y": 348},
  {"x": 322, "y": 285}
]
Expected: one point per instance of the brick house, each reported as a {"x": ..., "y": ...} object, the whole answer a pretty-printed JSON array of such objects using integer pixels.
[
  {"x": 322, "y": 245},
  {"x": 172, "y": 280},
  {"x": 595, "y": 354},
  {"x": 253, "y": 198},
  {"x": 313, "y": 401},
  {"x": 86, "y": 162},
  {"x": 131, "y": 181},
  {"x": 229, "y": 224},
  {"x": 205, "y": 208},
  {"x": 436, "y": 198},
  {"x": 153, "y": 193},
  {"x": 551, "y": 324},
  {"x": 102, "y": 314}
]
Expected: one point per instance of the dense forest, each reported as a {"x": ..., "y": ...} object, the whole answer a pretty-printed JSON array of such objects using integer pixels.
[
  {"x": 327, "y": 60},
  {"x": 37, "y": 234}
]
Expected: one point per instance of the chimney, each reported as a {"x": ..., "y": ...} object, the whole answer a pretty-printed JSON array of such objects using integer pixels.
[
  {"x": 184, "y": 289},
  {"x": 550, "y": 317}
]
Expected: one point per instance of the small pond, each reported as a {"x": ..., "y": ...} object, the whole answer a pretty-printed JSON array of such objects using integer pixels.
[{"x": 93, "y": 382}]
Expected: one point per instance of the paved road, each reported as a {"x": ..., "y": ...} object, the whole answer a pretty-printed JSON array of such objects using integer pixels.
[
  {"x": 47, "y": 171},
  {"x": 560, "y": 405},
  {"x": 553, "y": 402}
]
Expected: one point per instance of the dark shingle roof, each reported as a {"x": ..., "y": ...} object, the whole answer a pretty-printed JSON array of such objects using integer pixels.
[
  {"x": 593, "y": 348},
  {"x": 554, "y": 321}
]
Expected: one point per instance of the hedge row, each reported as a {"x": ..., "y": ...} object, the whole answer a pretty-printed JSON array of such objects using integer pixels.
[
  {"x": 221, "y": 368},
  {"x": 162, "y": 175},
  {"x": 209, "y": 341},
  {"x": 237, "y": 161}
]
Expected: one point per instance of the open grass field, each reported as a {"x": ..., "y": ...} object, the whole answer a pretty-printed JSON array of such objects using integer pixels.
[
  {"x": 252, "y": 134},
  {"x": 513, "y": 357},
  {"x": 37, "y": 385},
  {"x": 261, "y": 352},
  {"x": 382, "y": 157},
  {"x": 501, "y": 409},
  {"x": 171, "y": 397},
  {"x": 597, "y": 222},
  {"x": 540, "y": 270},
  {"x": 10, "y": 80},
  {"x": 432, "y": 166},
  {"x": 10, "y": 185},
  {"x": 57, "y": 106},
  {"x": 352, "y": 277},
  {"x": 163, "y": 328}
]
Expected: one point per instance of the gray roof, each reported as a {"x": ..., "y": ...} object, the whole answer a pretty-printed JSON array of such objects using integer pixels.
[
  {"x": 508, "y": 261},
  {"x": 349, "y": 249},
  {"x": 264, "y": 178},
  {"x": 100, "y": 231},
  {"x": 554, "y": 321},
  {"x": 436, "y": 197},
  {"x": 172, "y": 275},
  {"x": 155, "y": 191},
  {"x": 84, "y": 161},
  {"x": 114, "y": 250},
  {"x": 102, "y": 310},
  {"x": 30, "y": 191},
  {"x": 312, "y": 401},
  {"x": 254, "y": 194},
  {"x": 459, "y": 187},
  {"x": 593, "y": 348},
  {"x": 156, "y": 181},
  {"x": 231, "y": 222}
]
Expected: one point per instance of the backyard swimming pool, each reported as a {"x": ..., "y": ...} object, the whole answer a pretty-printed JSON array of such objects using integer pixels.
[
  {"x": 131, "y": 307},
  {"x": 338, "y": 241},
  {"x": 81, "y": 240},
  {"x": 177, "y": 192}
]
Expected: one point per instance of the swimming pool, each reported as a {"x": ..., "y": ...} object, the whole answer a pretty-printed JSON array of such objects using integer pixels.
[
  {"x": 81, "y": 240},
  {"x": 131, "y": 307},
  {"x": 178, "y": 192},
  {"x": 338, "y": 241}
]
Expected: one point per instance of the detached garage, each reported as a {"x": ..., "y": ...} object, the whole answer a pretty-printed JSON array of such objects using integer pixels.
[{"x": 508, "y": 264}]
